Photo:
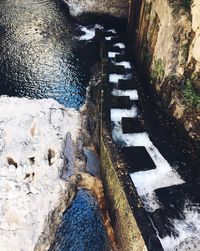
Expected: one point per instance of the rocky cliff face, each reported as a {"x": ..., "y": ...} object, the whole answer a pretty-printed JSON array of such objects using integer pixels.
[
  {"x": 167, "y": 40},
  {"x": 115, "y": 8}
]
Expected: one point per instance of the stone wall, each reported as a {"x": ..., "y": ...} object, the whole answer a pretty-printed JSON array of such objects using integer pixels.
[
  {"x": 167, "y": 41},
  {"x": 195, "y": 44},
  {"x": 117, "y": 8}
]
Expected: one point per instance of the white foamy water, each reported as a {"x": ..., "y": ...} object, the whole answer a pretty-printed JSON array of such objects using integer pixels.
[
  {"x": 132, "y": 139},
  {"x": 112, "y": 30},
  {"x": 188, "y": 231},
  {"x": 112, "y": 54},
  {"x": 108, "y": 38},
  {"x": 89, "y": 32},
  {"x": 117, "y": 114},
  {"x": 126, "y": 64},
  {"x": 133, "y": 94},
  {"x": 146, "y": 182},
  {"x": 114, "y": 77},
  {"x": 120, "y": 45}
]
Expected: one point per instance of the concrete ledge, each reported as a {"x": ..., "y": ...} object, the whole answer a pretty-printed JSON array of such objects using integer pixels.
[{"x": 127, "y": 232}]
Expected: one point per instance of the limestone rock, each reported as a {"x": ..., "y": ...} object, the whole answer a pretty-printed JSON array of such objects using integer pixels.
[{"x": 32, "y": 193}]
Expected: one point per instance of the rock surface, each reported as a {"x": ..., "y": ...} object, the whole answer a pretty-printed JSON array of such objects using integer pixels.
[
  {"x": 32, "y": 193},
  {"x": 194, "y": 48},
  {"x": 167, "y": 40},
  {"x": 117, "y": 8}
]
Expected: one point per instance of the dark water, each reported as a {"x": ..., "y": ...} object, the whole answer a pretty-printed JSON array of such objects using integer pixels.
[
  {"x": 40, "y": 56},
  {"x": 82, "y": 227}
]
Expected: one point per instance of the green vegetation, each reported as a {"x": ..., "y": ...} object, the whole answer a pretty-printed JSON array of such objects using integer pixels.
[
  {"x": 185, "y": 51},
  {"x": 158, "y": 71},
  {"x": 190, "y": 95}
]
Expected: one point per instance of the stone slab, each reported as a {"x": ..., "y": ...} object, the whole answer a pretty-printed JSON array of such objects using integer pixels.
[{"x": 137, "y": 159}]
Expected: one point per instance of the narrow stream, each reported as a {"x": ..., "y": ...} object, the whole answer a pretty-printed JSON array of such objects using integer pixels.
[{"x": 82, "y": 226}]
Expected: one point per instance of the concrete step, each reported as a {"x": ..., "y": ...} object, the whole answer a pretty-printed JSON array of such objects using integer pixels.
[
  {"x": 120, "y": 102},
  {"x": 117, "y": 39},
  {"x": 127, "y": 84},
  {"x": 174, "y": 198},
  {"x": 137, "y": 159},
  {"x": 118, "y": 69},
  {"x": 109, "y": 43},
  {"x": 133, "y": 125},
  {"x": 120, "y": 58},
  {"x": 116, "y": 54},
  {"x": 116, "y": 49},
  {"x": 109, "y": 34}
]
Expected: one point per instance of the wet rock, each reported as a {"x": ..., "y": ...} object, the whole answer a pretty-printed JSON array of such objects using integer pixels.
[
  {"x": 178, "y": 111},
  {"x": 133, "y": 125},
  {"x": 127, "y": 84},
  {"x": 93, "y": 162},
  {"x": 168, "y": 43},
  {"x": 137, "y": 159},
  {"x": 120, "y": 102}
]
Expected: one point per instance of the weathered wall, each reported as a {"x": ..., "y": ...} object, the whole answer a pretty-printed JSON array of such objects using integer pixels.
[
  {"x": 195, "y": 45},
  {"x": 167, "y": 41},
  {"x": 117, "y": 8}
]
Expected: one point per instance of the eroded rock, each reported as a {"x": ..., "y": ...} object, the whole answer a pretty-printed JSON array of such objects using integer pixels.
[{"x": 32, "y": 194}]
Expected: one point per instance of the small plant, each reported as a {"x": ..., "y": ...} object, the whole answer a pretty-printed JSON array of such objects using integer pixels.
[
  {"x": 185, "y": 51},
  {"x": 158, "y": 71},
  {"x": 190, "y": 95}
]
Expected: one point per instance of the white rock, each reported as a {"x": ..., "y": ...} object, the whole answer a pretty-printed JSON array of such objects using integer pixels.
[
  {"x": 132, "y": 94},
  {"x": 89, "y": 31},
  {"x": 120, "y": 45},
  {"x": 30, "y": 188},
  {"x": 126, "y": 64}
]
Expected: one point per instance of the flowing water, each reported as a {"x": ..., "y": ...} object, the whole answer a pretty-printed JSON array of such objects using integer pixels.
[
  {"x": 40, "y": 56},
  {"x": 82, "y": 226}
]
